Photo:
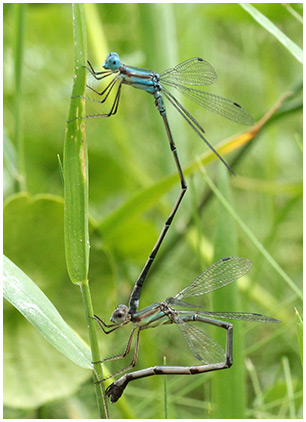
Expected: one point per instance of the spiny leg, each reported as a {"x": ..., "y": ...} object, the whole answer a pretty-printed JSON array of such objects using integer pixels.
[
  {"x": 135, "y": 355},
  {"x": 108, "y": 89},
  {"x": 112, "y": 111},
  {"x": 121, "y": 355}
]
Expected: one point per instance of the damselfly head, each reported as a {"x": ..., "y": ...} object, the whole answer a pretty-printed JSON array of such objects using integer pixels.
[
  {"x": 120, "y": 313},
  {"x": 112, "y": 61}
]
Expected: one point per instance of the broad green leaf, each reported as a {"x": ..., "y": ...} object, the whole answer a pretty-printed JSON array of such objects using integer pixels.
[
  {"x": 30, "y": 365},
  {"x": 34, "y": 371},
  {"x": 27, "y": 297}
]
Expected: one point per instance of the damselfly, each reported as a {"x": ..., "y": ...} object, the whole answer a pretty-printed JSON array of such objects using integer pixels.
[
  {"x": 194, "y": 72},
  {"x": 204, "y": 348}
]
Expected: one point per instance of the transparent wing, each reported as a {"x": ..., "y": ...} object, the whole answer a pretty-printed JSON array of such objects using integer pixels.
[
  {"x": 220, "y": 274},
  {"x": 223, "y": 106},
  {"x": 194, "y": 71},
  {"x": 203, "y": 347},
  {"x": 242, "y": 316}
]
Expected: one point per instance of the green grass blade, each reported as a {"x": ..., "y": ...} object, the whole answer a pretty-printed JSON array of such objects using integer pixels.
[
  {"x": 255, "y": 381},
  {"x": 228, "y": 403},
  {"x": 252, "y": 237},
  {"x": 289, "y": 386},
  {"x": 294, "y": 49},
  {"x": 299, "y": 328},
  {"x": 76, "y": 165},
  {"x": 76, "y": 194},
  {"x": 27, "y": 297},
  {"x": 294, "y": 13},
  {"x": 165, "y": 392}
]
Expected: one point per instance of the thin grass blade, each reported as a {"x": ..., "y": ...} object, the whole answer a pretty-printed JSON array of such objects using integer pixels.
[
  {"x": 299, "y": 328},
  {"x": 294, "y": 49}
]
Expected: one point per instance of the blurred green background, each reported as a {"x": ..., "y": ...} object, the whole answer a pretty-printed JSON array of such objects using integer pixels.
[{"x": 128, "y": 155}]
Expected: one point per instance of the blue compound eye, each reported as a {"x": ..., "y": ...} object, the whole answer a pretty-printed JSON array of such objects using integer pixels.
[{"x": 112, "y": 62}]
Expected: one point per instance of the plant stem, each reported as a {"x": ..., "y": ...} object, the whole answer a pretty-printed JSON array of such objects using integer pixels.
[
  {"x": 18, "y": 53},
  {"x": 75, "y": 171},
  {"x": 98, "y": 374}
]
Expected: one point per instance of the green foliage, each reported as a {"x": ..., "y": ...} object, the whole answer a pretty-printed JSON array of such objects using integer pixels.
[
  {"x": 47, "y": 374},
  {"x": 76, "y": 163},
  {"x": 133, "y": 186},
  {"x": 299, "y": 328},
  {"x": 294, "y": 49},
  {"x": 32, "y": 303},
  {"x": 225, "y": 404}
]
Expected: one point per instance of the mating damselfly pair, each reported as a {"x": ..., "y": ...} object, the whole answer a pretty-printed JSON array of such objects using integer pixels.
[
  {"x": 203, "y": 347},
  {"x": 192, "y": 72}
]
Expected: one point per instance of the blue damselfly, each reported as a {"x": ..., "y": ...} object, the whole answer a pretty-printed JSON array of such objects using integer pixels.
[{"x": 193, "y": 72}]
